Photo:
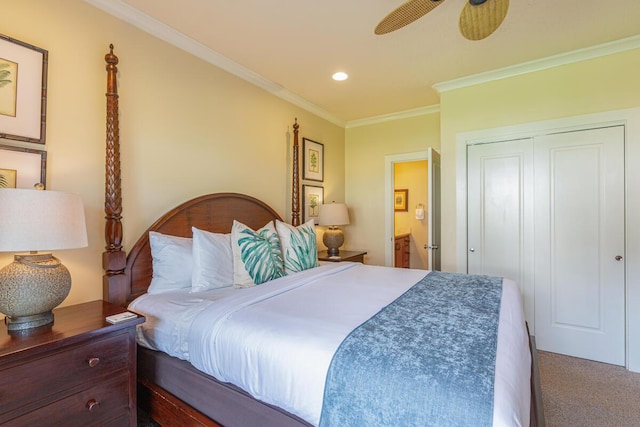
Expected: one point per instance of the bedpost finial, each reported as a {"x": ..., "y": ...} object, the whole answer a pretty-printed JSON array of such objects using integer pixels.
[{"x": 110, "y": 58}]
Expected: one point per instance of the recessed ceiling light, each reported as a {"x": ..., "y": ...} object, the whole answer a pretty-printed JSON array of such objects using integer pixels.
[{"x": 340, "y": 76}]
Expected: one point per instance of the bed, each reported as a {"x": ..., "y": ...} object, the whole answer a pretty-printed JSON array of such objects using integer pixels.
[{"x": 174, "y": 392}]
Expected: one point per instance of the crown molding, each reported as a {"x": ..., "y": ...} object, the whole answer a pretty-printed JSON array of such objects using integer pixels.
[
  {"x": 596, "y": 51},
  {"x": 430, "y": 109},
  {"x": 133, "y": 16}
]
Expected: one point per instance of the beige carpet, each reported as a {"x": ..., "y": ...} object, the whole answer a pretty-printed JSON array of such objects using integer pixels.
[{"x": 578, "y": 392}]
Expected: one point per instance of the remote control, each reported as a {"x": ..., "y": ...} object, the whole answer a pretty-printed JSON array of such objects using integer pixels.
[{"x": 121, "y": 317}]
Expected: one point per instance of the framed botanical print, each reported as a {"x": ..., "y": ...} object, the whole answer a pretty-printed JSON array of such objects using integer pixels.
[
  {"x": 23, "y": 91},
  {"x": 313, "y": 160},
  {"x": 400, "y": 200},
  {"x": 22, "y": 167},
  {"x": 312, "y": 198}
]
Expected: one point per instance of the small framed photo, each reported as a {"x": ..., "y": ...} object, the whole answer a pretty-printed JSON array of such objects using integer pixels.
[
  {"x": 23, "y": 91},
  {"x": 22, "y": 167},
  {"x": 313, "y": 160},
  {"x": 312, "y": 198},
  {"x": 400, "y": 200}
]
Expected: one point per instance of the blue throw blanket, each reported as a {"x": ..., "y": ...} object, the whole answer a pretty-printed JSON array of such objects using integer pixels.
[{"x": 427, "y": 359}]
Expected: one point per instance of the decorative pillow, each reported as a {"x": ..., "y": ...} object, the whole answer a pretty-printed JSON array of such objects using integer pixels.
[
  {"x": 212, "y": 261},
  {"x": 172, "y": 262},
  {"x": 257, "y": 257},
  {"x": 299, "y": 248}
]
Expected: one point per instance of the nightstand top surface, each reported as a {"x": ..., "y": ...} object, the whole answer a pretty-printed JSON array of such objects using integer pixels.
[
  {"x": 69, "y": 323},
  {"x": 342, "y": 255}
]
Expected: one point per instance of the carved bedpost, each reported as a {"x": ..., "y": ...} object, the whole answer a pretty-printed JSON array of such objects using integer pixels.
[
  {"x": 114, "y": 259},
  {"x": 295, "y": 186}
]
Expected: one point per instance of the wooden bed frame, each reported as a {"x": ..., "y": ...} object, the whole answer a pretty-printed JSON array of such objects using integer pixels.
[{"x": 127, "y": 277}]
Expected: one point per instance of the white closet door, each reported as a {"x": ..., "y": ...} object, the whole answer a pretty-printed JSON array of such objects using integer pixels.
[
  {"x": 500, "y": 214},
  {"x": 579, "y": 244}
]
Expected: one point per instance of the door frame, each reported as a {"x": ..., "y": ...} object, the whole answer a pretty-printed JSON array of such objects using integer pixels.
[{"x": 630, "y": 119}]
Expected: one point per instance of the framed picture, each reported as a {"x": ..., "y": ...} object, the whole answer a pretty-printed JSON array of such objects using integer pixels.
[
  {"x": 23, "y": 91},
  {"x": 313, "y": 160},
  {"x": 400, "y": 200},
  {"x": 312, "y": 198},
  {"x": 22, "y": 167}
]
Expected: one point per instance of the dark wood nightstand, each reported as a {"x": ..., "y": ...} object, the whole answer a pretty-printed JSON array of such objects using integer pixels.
[
  {"x": 355, "y": 256},
  {"x": 80, "y": 370}
]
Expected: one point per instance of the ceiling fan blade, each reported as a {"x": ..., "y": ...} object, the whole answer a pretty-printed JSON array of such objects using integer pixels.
[
  {"x": 406, "y": 14},
  {"x": 480, "y": 21}
]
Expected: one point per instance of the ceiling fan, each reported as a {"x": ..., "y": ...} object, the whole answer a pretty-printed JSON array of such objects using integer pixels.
[{"x": 478, "y": 19}]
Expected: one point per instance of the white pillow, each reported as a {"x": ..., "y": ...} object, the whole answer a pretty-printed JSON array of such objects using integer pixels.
[
  {"x": 172, "y": 262},
  {"x": 212, "y": 261},
  {"x": 299, "y": 248},
  {"x": 257, "y": 257}
]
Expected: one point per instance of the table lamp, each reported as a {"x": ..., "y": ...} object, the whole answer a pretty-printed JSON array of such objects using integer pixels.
[
  {"x": 35, "y": 283},
  {"x": 333, "y": 214}
]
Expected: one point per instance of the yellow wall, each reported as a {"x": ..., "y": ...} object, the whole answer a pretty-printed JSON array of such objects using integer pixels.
[
  {"x": 602, "y": 84},
  {"x": 365, "y": 154},
  {"x": 187, "y": 128}
]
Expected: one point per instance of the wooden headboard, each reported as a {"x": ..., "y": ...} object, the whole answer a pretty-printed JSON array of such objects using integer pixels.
[{"x": 127, "y": 277}]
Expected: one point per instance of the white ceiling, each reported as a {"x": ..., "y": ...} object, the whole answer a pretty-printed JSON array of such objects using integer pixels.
[{"x": 292, "y": 47}]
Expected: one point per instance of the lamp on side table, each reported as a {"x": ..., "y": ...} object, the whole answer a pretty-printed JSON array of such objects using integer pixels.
[
  {"x": 35, "y": 283},
  {"x": 333, "y": 214}
]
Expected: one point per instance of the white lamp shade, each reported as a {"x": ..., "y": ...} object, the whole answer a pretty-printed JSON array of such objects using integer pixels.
[
  {"x": 41, "y": 220},
  {"x": 333, "y": 214}
]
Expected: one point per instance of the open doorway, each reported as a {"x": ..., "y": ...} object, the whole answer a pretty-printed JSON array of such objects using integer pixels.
[
  {"x": 410, "y": 231},
  {"x": 412, "y": 195}
]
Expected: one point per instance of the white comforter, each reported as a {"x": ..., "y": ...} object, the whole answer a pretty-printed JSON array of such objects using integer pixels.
[{"x": 276, "y": 340}]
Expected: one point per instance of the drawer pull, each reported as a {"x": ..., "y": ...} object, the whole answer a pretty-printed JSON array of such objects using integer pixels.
[
  {"x": 93, "y": 405},
  {"x": 93, "y": 362}
]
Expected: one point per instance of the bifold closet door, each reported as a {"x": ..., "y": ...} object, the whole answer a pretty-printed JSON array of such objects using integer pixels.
[
  {"x": 548, "y": 212},
  {"x": 500, "y": 214},
  {"x": 579, "y": 244}
]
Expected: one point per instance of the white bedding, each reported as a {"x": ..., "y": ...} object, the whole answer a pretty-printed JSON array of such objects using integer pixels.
[{"x": 276, "y": 340}]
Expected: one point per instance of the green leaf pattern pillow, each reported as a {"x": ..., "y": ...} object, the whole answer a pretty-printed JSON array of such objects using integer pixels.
[
  {"x": 299, "y": 248},
  {"x": 257, "y": 255}
]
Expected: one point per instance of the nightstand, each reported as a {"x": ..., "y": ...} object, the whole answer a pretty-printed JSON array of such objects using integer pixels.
[
  {"x": 80, "y": 370},
  {"x": 355, "y": 256}
]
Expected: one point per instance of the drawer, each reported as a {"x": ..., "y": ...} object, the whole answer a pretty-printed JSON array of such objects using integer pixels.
[
  {"x": 103, "y": 404},
  {"x": 60, "y": 373}
]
